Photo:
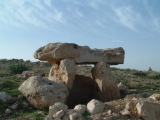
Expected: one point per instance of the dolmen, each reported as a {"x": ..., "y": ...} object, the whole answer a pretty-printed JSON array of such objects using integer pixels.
[{"x": 65, "y": 56}]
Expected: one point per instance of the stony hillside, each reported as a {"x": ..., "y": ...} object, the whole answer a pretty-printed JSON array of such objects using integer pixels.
[{"x": 11, "y": 78}]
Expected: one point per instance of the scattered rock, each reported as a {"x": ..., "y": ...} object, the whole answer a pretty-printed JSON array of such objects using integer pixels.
[
  {"x": 125, "y": 112},
  {"x": 155, "y": 97},
  {"x": 48, "y": 117},
  {"x": 57, "y": 107},
  {"x": 8, "y": 111},
  {"x": 5, "y": 97},
  {"x": 27, "y": 74},
  {"x": 75, "y": 116},
  {"x": 15, "y": 105},
  {"x": 80, "y": 108},
  {"x": 58, "y": 114},
  {"x": 95, "y": 106},
  {"x": 138, "y": 96},
  {"x": 148, "y": 110},
  {"x": 42, "y": 92}
]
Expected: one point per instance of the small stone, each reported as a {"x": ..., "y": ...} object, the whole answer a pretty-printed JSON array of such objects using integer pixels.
[
  {"x": 15, "y": 105},
  {"x": 7, "y": 111},
  {"x": 80, "y": 108},
  {"x": 48, "y": 117},
  {"x": 109, "y": 112},
  {"x": 5, "y": 97},
  {"x": 125, "y": 112},
  {"x": 155, "y": 97},
  {"x": 74, "y": 116},
  {"x": 57, "y": 107},
  {"x": 58, "y": 114},
  {"x": 58, "y": 119},
  {"x": 65, "y": 117},
  {"x": 70, "y": 111},
  {"x": 95, "y": 106}
]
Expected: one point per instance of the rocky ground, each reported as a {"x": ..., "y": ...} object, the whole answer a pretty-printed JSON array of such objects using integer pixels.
[{"x": 139, "y": 85}]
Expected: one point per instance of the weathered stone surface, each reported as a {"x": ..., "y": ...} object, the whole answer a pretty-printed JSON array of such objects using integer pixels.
[
  {"x": 8, "y": 111},
  {"x": 54, "y": 52},
  {"x": 138, "y": 96},
  {"x": 5, "y": 97},
  {"x": 42, "y": 92},
  {"x": 63, "y": 73},
  {"x": 48, "y": 117},
  {"x": 80, "y": 108},
  {"x": 155, "y": 97},
  {"x": 95, "y": 106},
  {"x": 27, "y": 74},
  {"x": 125, "y": 112},
  {"x": 57, "y": 107},
  {"x": 106, "y": 84},
  {"x": 148, "y": 110},
  {"x": 76, "y": 116},
  {"x": 58, "y": 114}
]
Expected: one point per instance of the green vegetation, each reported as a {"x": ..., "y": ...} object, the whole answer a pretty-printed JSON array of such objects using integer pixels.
[
  {"x": 87, "y": 115},
  {"x": 17, "y": 68},
  {"x": 46, "y": 64},
  {"x": 140, "y": 74},
  {"x": 155, "y": 77}
]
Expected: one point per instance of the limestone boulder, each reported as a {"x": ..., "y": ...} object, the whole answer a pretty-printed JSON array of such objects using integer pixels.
[
  {"x": 95, "y": 106},
  {"x": 55, "y": 52},
  {"x": 53, "y": 109},
  {"x": 63, "y": 73},
  {"x": 27, "y": 74},
  {"x": 148, "y": 110},
  {"x": 41, "y": 92},
  {"x": 107, "y": 88},
  {"x": 155, "y": 97},
  {"x": 80, "y": 108}
]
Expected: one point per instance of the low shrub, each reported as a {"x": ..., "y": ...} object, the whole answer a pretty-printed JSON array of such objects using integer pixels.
[
  {"x": 140, "y": 74},
  {"x": 18, "y": 68},
  {"x": 46, "y": 64},
  {"x": 155, "y": 77}
]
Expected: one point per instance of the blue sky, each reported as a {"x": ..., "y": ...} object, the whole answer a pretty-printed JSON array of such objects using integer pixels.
[{"x": 26, "y": 25}]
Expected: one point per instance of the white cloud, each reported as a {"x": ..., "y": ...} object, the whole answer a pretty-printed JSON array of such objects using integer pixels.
[
  {"x": 153, "y": 20},
  {"x": 127, "y": 17},
  {"x": 23, "y": 12}
]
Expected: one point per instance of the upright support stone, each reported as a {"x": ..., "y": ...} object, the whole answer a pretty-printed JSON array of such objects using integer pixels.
[
  {"x": 63, "y": 73},
  {"x": 108, "y": 89},
  {"x": 54, "y": 73}
]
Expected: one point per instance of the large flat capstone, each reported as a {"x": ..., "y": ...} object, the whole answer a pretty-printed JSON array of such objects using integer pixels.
[{"x": 55, "y": 52}]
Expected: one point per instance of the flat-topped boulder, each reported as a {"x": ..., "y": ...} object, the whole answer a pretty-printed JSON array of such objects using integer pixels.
[{"x": 55, "y": 52}]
